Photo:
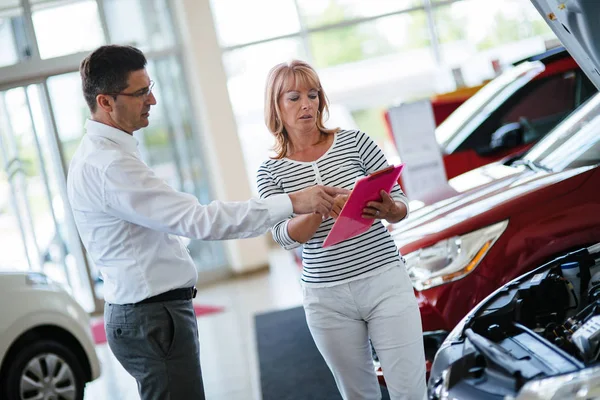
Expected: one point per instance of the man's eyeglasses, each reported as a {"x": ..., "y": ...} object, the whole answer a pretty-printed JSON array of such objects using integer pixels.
[{"x": 142, "y": 93}]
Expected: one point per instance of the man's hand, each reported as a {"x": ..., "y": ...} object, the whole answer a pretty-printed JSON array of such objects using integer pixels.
[
  {"x": 338, "y": 204},
  {"x": 317, "y": 199}
]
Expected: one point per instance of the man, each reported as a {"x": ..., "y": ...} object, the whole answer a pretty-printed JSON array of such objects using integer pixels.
[{"x": 130, "y": 222}]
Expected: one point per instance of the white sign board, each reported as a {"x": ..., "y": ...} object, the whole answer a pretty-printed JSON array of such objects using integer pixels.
[{"x": 413, "y": 126}]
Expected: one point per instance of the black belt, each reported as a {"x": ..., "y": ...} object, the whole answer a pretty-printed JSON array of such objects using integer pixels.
[{"x": 171, "y": 295}]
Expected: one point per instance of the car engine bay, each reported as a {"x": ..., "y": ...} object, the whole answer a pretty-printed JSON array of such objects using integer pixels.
[{"x": 544, "y": 324}]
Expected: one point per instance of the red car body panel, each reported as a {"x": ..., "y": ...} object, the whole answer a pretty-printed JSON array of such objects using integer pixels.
[
  {"x": 549, "y": 214},
  {"x": 460, "y": 162},
  {"x": 558, "y": 67},
  {"x": 443, "y": 108}
]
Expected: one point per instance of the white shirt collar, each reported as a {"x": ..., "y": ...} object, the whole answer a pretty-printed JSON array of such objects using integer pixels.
[{"x": 124, "y": 139}]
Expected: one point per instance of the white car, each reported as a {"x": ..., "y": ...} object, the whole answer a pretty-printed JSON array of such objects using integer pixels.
[{"x": 46, "y": 345}]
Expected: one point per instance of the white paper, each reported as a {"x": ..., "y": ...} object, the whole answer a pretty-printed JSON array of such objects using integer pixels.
[{"x": 413, "y": 126}]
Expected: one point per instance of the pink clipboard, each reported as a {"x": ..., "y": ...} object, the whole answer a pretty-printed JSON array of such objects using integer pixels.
[{"x": 350, "y": 222}]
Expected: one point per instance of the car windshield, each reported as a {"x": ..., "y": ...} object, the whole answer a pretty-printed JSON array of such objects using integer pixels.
[
  {"x": 487, "y": 98},
  {"x": 573, "y": 143}
]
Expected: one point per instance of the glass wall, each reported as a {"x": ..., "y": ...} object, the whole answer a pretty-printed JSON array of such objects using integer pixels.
[
  {"x": 37, "y": 234},
  {"x": 42, "y": 115},
  {"x": 369, "y": 54}
]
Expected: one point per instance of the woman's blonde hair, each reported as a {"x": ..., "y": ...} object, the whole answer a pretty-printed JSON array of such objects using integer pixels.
[{"x": 303, "y": 75}]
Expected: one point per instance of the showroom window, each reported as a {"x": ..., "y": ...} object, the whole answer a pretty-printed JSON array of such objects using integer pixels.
[
  {"x": 63, "y": 28},
  {"x": 370, "y": 39},
  {"x": 475, "y": 32},
  {"x": 369, "y": 55},
  {"x": 11, "y": 28},
  {"x": 322, "y": 13},
  {"x": 42, "y": 115}
]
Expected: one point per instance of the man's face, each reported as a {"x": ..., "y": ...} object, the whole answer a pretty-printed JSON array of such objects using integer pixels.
[{"x": 131, "y": 108}]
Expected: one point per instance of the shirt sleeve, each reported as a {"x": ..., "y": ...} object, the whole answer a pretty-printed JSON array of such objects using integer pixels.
[
  {"x": 374, "y": 160},
  {"x": 267, "y": 189},
  {"x": 134, "y": 193}
]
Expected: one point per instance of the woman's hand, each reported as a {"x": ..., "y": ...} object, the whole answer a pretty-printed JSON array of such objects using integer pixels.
[
  {"x": 387, "y": 209},
  {"x": 338, "y": 204}
]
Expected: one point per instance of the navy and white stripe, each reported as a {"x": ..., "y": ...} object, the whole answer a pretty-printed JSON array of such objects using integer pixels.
[{"x": 352, "y": 155}]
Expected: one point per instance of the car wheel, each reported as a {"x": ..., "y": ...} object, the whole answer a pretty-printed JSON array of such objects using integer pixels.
[{"x": 45, "y": 370}]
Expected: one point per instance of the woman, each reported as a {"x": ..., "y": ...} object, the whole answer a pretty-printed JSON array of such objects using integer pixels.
[{"x": 358, "y": 288}]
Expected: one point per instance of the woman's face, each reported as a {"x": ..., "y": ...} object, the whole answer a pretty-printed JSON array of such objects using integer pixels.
[{"x": 299, "y": 106}]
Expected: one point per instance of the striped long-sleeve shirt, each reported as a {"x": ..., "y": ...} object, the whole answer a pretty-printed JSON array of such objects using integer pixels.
[{"x": 351, "y": 156}]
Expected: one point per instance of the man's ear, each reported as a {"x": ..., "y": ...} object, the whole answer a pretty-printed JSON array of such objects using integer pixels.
[{"x": 105, "y": 102}]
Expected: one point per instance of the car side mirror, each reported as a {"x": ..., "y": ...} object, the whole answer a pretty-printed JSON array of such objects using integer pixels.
[{"x": 507, "y": 136}]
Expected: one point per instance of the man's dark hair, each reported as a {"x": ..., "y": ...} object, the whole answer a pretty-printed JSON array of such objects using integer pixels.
[{"x": 107, "y": 69}]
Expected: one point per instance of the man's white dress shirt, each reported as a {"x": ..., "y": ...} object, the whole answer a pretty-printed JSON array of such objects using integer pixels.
[{"x": 130, "y": 221}]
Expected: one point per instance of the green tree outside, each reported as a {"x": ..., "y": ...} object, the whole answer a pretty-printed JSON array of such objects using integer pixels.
[
  {"x": 346, "y": 44},
  {"x": 507, "y": 30}
]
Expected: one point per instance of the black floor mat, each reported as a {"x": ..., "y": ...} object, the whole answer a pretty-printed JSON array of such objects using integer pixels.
[{"x": 291, "y": 367}]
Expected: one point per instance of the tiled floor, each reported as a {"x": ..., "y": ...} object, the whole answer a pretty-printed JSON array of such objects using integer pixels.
[{"x": 227, "y": 343}]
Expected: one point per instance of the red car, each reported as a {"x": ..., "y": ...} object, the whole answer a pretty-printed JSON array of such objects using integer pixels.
[
  {"x": 520, "y": 215},
  {"x": 512, "y": 112}
]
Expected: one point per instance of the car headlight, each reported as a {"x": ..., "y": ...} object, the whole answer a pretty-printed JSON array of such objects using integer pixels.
[
  {"x": 584, "y": 384},
  {"x": 451, "y": 259}
]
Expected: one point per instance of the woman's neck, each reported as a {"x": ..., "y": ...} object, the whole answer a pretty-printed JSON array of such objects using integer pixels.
[
  {"x": 305, "y": 140},
  {"x": 309, "y": 147}
]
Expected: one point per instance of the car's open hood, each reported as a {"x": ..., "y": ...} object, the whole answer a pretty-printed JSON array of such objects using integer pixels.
[{"x": 577, "y": 25}]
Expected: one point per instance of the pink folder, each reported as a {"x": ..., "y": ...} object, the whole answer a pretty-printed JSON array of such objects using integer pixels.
[{"x": 350, "y": 222}]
